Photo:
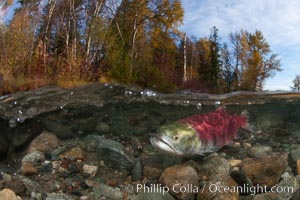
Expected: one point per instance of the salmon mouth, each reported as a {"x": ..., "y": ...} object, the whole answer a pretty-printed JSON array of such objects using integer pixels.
[{"x": 163, "y": 145}]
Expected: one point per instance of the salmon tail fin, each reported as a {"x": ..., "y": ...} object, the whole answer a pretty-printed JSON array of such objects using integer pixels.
[{"x": 251, "y": 123}]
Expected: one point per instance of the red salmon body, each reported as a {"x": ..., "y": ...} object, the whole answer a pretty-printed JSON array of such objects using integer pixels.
[{"x": 215, "y": 129}]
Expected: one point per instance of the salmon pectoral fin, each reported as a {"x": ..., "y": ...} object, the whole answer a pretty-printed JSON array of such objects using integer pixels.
[
  {"x": 209, "y": 149},
  {"x": 251, "y": 122}
]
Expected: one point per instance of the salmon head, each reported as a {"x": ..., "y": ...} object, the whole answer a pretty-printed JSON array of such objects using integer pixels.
[{"x": 177, "y": 139}]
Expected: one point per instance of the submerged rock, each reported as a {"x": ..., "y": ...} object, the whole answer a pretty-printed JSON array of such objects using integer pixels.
[
  {"x": 34, "y": 157},
  {"x": 28, "y": 169},
  {"x": 114, "y": 155},
  {"x": 263, "y": 196},
  {"x": 90, "y": 169},
  {"x": 152, "y": 172},
  {"x": 295, "y": 153},
  {"x": 161, "y": 160},
  {"x": 242, "y": 180},
  {"x": 182, "y": 180},
  {"x": 75, "y": 153},
  {"x": 58, "y": 196},
  {"x": 4, "y": 145},
  {"x": 91, "y": 142},
  {"x": 24, "y": 133},
  {"x": 235, "y": 163},
  {"x": 152, "y": 196},
  {"x": 16, "y": 185},
  {"x": 296, "y": 195},
  {"x": 288, "y": 185},
  {"x": 220, "y": 187},
  {"x": 102, "y": 190},
  {"x": 259, "y": 151},
  {"x": 8, "y": 194},
  {"x": 213, "y": 165},
  {"x": 137, "y": 170},
  {"x": 45, "y": 142},
  {"x": 265, "y": 171},
  {"x": 102, "y": 127},
  {"x": 62, "y": 131},
  {"x": 298, "y": 167}
]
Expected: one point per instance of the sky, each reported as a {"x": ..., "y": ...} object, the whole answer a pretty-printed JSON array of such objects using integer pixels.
[{"x": 279, "y": 21}]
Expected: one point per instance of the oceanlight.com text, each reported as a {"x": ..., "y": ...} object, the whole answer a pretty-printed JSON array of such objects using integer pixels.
[{"x": 212, "y": 188}]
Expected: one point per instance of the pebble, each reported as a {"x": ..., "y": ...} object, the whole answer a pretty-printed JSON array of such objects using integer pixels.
[
  {"x": 61, "y": 131},
  {"x": 56, "y": 164},
  {"x": 45, "y": 142},
  {"x": 235, "y": 163},
  {"x": 91, "y": 142},
  {"x": 298, "y": 166},
  {"x": 137, "y": 170},
  {"x": 102, "y": 127},
  {"x": 217, "y": 189},
  {"x": 28, "y": 169},
  {"x": 152, "y": 172},
  {"x": 213, "y": 165},
  {"x": 259, "y": 151},
  {"x": 75, "y": 153},
  {"x": 152, "y": 196},
  {"x": 237, "y": 145},
  {"x": 162, "y": 160},
  {"x": 295, "y": 153},
  {"x": 58, "y": 196},
  {"x": 37, "y": 196},
  {"x": 115, "y": 155},
  {"x": 17, "y": 185},
  {"x": 90, "y": 169},
  {"x": 180, "y": 176},
  {"x": 247, "y": 145},
  {"x": 34, "y": 157},
  {"x": 264, "y": 196},
  {"x": 29, "y": 184},
  {"x": 265, "y": 170},
  {"x": 5, "y": 177},
  {"x": 84, "y": 198},
  {"x": 101, "y": 189},
  {"x": 8, "y": 194},
  {"x": 242, "y": 180},
  {"x": 289, "y": 185}
]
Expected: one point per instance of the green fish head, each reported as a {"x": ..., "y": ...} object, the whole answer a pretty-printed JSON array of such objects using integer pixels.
[{"x": 177, "y": 138}]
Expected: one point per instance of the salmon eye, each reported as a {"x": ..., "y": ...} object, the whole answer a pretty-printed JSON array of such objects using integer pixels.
[{"x": 176, "y": 137}]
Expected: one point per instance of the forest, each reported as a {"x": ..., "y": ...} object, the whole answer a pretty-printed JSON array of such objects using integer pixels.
[{"x": 139, "y": 42}]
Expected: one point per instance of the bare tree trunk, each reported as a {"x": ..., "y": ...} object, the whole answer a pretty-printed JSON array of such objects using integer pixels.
[
  {"x": 192, "y": 61},
  {"x": 95, "y": 14},
  {"x": 120, "y": 33},
  {"x": 52, "y": 5},
  {"x": 133, "y": 45},
  {"x": 184, "y": 59}
]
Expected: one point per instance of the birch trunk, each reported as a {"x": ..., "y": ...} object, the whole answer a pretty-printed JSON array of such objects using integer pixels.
[{"x": 184, "y": 59}]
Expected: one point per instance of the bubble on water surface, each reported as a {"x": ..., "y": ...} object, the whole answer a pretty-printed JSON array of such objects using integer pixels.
[
  {"x": 218, "y": 103},
  {"x": 186, "y": 103},
  {"x": 128, "y": 93},
  {"x": 199, "y": 106},
  {"x": 148, "y": 93}
]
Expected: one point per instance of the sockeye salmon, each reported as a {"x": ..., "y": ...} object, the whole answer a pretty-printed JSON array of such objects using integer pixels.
[{"x": 198, "y": 134}]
